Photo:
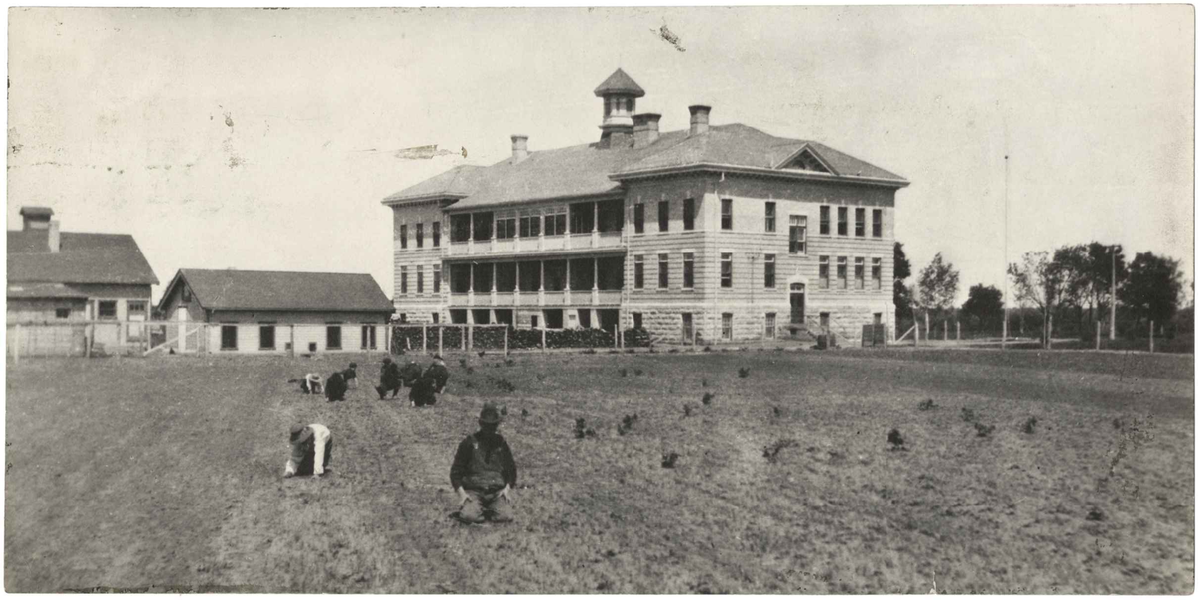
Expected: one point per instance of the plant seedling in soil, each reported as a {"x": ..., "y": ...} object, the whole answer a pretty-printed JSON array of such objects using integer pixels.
[
  {"x": 582, "y": 430},
  {"x": 1030, "y": 423},
  {"x": 927, "y": 404},
  {"x": 708, "y": 398},
  {"x": 687, "y": 410},
  {"x": 637, "y": 371},
  {"x": 624, "y": 372},
  {"x": 775, "y": 412},
  {"x": 968, "y": 415},
  {"x": 895, "y": 439},
  {"x": 668, "y": 459},
  {"x": 1095, "y": 515},
  {"x": 505, "y": 385},
  {"x": 462, "y": 362},
  {"x": 771, "y": 451},
  {"x": 524, "y": 413},
  {"x": 744, "y": 372},
  {"x": 982, "y": 430},
  {"x": 626, "y": 424},
  {"x": 703, "y": 383}
]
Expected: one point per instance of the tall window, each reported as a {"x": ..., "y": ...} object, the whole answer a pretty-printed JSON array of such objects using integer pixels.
[
  {"x": 769, "y": 270},
  {"x": 769, "y": 329},
  {"x": 62, "y": 313},
  {"x": 107, "y": 310},
  {"x": 664, "y": 215},
  {"x": 823, "y": 271},
  {"x": 420, "y": 280},
  {"x": 368, "y": 336},
  {"x": 556, "y": 224},
  {"x": 420, "y": 235},
  {"x": 860, "y": 222},
  {"x": 841, "y": 272},
  {"x": 404, "y": 237},
  {"x": 843, "y": 218},
  {"x": 877, "y": 223},
  {"x": 824, "y": 220},
  {"x": 769, "y": 218},
  {"x": 689, "y": 279},
  {"x": 877, "y": 272},
  {"x": 437, "y": 234},
  {"x": 726, "y": 214},
  {"x": 797, "y": 234},
  {"x": 859, "y": 272},
  {"x": 266, "y": 337},
  {"x": 483, "y": 223},
  {"x": 229, "y": 337},
  {"x": 639, "y": 272},
  {"x": 637, "y": 320},
  {"x": 437, "y": 279},
  {"x": 531, "y": 226},
  {"x": 506, "y": 228},
  {"x": 333, "y": 337},
  {"x": 663, "y": 271},
  {"x": 689, "y": 214},
  {"x": 727, "y": 326},
  {"x": 639, "y": 218},
  {"x": 403, "y": 280},
  {"x": 726, "y": 269}
]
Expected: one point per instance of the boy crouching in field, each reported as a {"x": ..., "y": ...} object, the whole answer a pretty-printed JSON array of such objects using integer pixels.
[
  {"x": 309, "y": 442},
  {"x": 484, "y": 473},
  {"x": 351, "y": 376}
]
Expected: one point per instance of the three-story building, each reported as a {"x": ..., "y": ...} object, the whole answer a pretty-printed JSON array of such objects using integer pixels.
[{"x": 711, "y": 233}]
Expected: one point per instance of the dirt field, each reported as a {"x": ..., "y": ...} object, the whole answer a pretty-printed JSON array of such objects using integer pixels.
[{"x": 166, "y": 473}]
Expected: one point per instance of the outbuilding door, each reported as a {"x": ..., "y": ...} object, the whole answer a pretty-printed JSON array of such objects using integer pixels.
[{"x": 797, "y": 297}]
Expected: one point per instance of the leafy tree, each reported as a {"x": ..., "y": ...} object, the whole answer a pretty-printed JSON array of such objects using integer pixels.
[
  {"x": 901, "y": 296},
  {"x": 901, "y": 268},
  {"x": 1153, "y": 287},
  {"x": 937, "y": 286},
  {"x": 1039, "y": 281},
  {"x": 984, "y": 302}
]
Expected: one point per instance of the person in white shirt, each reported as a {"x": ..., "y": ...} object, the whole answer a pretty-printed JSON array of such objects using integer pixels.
[{"x": 309, "y": 442}]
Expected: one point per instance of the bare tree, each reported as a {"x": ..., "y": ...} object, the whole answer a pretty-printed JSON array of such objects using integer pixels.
[
  {"x": 937, "y": 287},
  {"x": 1041, "y": 282}
]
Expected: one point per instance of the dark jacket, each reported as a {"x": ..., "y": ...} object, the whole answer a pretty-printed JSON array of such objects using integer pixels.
[
  {"x": 389, "y": 377},
  {"x": 483, "y": 463},
  {"x": 439, "y": 375},
  {"x": 335, "y": 387},
  {"x": 422, "y": 392},
  {"x": 349, "y": 374},
  {"x": 410, "y": 373}
]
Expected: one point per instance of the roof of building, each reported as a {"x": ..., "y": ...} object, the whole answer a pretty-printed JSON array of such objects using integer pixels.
[
  {"x": 82, "y": 258},
  {"x": 620, "y": 83},
  {"x": 589, "y": 170},
  {"x": 44, "y": 290},
  {"x": 235, "y": 289},
  {"x": 36, "y": 211}
]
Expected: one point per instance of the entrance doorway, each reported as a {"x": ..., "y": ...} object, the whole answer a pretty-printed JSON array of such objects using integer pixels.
[{"x": 797, "y": 297}]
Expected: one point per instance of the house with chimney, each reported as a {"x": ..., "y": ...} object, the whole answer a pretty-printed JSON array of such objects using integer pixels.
[
  {"x": 716, "y": 232},
  {"x": 265, "y": 312},
  {"x": 60, "y": 278}
]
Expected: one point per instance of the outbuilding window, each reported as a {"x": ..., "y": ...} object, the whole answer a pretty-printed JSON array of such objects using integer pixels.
[
  {"x": 229, "y": 335},
  {"x": 333, "y": 337},
  {"x": 266, "y": 337}
]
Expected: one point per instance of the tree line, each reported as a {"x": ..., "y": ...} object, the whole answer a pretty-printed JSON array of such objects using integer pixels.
[{"x": 1065, "y": 291}]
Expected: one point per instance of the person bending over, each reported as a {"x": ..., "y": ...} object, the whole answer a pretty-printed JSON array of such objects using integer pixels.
[{"x": 308, "y": 443}]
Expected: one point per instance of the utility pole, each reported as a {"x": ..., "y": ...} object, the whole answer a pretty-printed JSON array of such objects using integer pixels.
[
  {"x": 1004, "y": 335},
  {"x": 1112, "y": 308}
]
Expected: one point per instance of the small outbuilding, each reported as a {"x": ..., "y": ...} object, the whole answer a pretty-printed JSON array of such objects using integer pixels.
[{"x": 231, "y": 310}]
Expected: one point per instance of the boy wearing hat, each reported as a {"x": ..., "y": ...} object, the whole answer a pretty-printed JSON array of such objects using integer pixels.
[
  {"x": 389, "y": 379},
  {"x": 351, "y": 376},
  {"x": 484, "y": 473},
  {"x": 335, "y": 387},
  {"x": 437, "y": 373},
  {"x": 309, "y": 442}
]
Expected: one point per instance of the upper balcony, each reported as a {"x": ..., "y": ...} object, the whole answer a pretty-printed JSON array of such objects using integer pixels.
[{"x": 579, "y": 226}]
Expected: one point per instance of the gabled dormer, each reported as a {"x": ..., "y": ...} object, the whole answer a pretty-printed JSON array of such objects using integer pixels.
[{"x": 807, "y": 159}]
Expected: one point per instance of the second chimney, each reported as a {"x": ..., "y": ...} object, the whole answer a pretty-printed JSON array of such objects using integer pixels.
[
  {"x": 520, "y": 148},
  {"x": 645, "y": 129},
  {"x": 699, "y": 118},
  {"x": 53, "y": 238}
]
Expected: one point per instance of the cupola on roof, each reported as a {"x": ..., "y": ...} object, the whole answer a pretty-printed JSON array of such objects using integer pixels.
[{"x": 620, "y": 83}]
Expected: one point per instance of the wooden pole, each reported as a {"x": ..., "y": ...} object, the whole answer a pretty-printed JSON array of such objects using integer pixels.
[
  {"x": 471, "y": 338},
  {"x": 424, "y": 339},
  {"x": 543, "y": 339},
  {"x": 945, "y": 331},
  {"x": 1050, "y": 332},
  {"x": 440, "y": 330},
  {"x": 505, "y": 341},
  {"x": 1151, "y": 336},
  {"x": 464, "y": 338},
  {"x": 958, "y": 330},
  {"x": 91, "y": 338},
  {"x": 1097, "y": 334},
  {"x": 292, "y": 340}
]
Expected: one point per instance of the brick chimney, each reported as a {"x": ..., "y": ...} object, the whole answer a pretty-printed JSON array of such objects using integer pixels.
[
  {"x": 520, "y": 148},
  {"x": 699, "y": 119},
  {"x": 36, "y": 217},
  {"x": 53, "y": 239},
  {"x": 645, "y": 129}
]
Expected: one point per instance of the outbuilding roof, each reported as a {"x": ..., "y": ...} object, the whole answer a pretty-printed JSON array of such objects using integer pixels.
[
  {"x": 235, "y": 289},
  {"x": 82, "y": 258}
]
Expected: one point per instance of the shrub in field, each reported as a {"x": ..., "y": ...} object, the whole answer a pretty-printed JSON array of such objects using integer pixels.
[
  {"x": 703, "y": 383},
  {"x": 707, "y": 398},
  {"x": 771, "y": 451},
  {"x": 624, "y": 372},
  {"x": 982, "y": 430},
  {"x": 524, "y": 413},
  {"x": 626, "y": 424},
  {"x": 669, "y": 459},
  {"x": 687, "y": 410},
  {"x": 708, "y": 348},
  {"x": 744, "y": 372},
  {"x": 927, "y": 404},
  {"x": 895, "y": 439},
  {"x": 637, "y": 371},
  {"x": 968, "y": 415},
  {"x": 775, "y": 412},
  {"x": 1095, "y": 514},
  {"x": 505, "y": 385},
  {"x": 582, "y": 430},
  {"x": 636, "y": 338},
  {"x": 1030, "y": 423}
]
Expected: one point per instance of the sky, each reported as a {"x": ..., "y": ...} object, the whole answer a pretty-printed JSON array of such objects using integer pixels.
[{"x": 265, "y": 139}]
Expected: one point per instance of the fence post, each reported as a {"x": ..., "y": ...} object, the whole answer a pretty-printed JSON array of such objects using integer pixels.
[
  {"x": 424, "y": 339},
  {"x": 945, "y": 331},
  {"x": 91, "y": 328},
  {"x": 1097, "y": 335},
  {"x": 958, "y": 330},
  {"x": 463, "y": 331},
  {"x": 292, "y": 340},
  {"x": 1050, "y": 333},
  {"x": 505, "y": 341},
  {"x": 543, "y": 339},
  {"x": 471, "y": 337},
  {"x": 17, "y": 345},
  {"x": 440, "y": 331},
  {"x": 1151, "y": 336}
]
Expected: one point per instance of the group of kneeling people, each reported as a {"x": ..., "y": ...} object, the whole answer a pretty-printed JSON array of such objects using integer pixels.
[
  {"x": 483, "y": 473},
  {"x": 424, "y": 386}
]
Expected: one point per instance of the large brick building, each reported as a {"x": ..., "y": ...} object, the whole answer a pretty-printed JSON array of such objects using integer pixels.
[{"x": 722, "y": 232}]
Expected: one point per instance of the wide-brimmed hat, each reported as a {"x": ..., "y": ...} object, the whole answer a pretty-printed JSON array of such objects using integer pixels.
[
  {"x": 299, "y": 433},
  {"x": 353, "y": 365},
  {"x": 490, "y": 414}
]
